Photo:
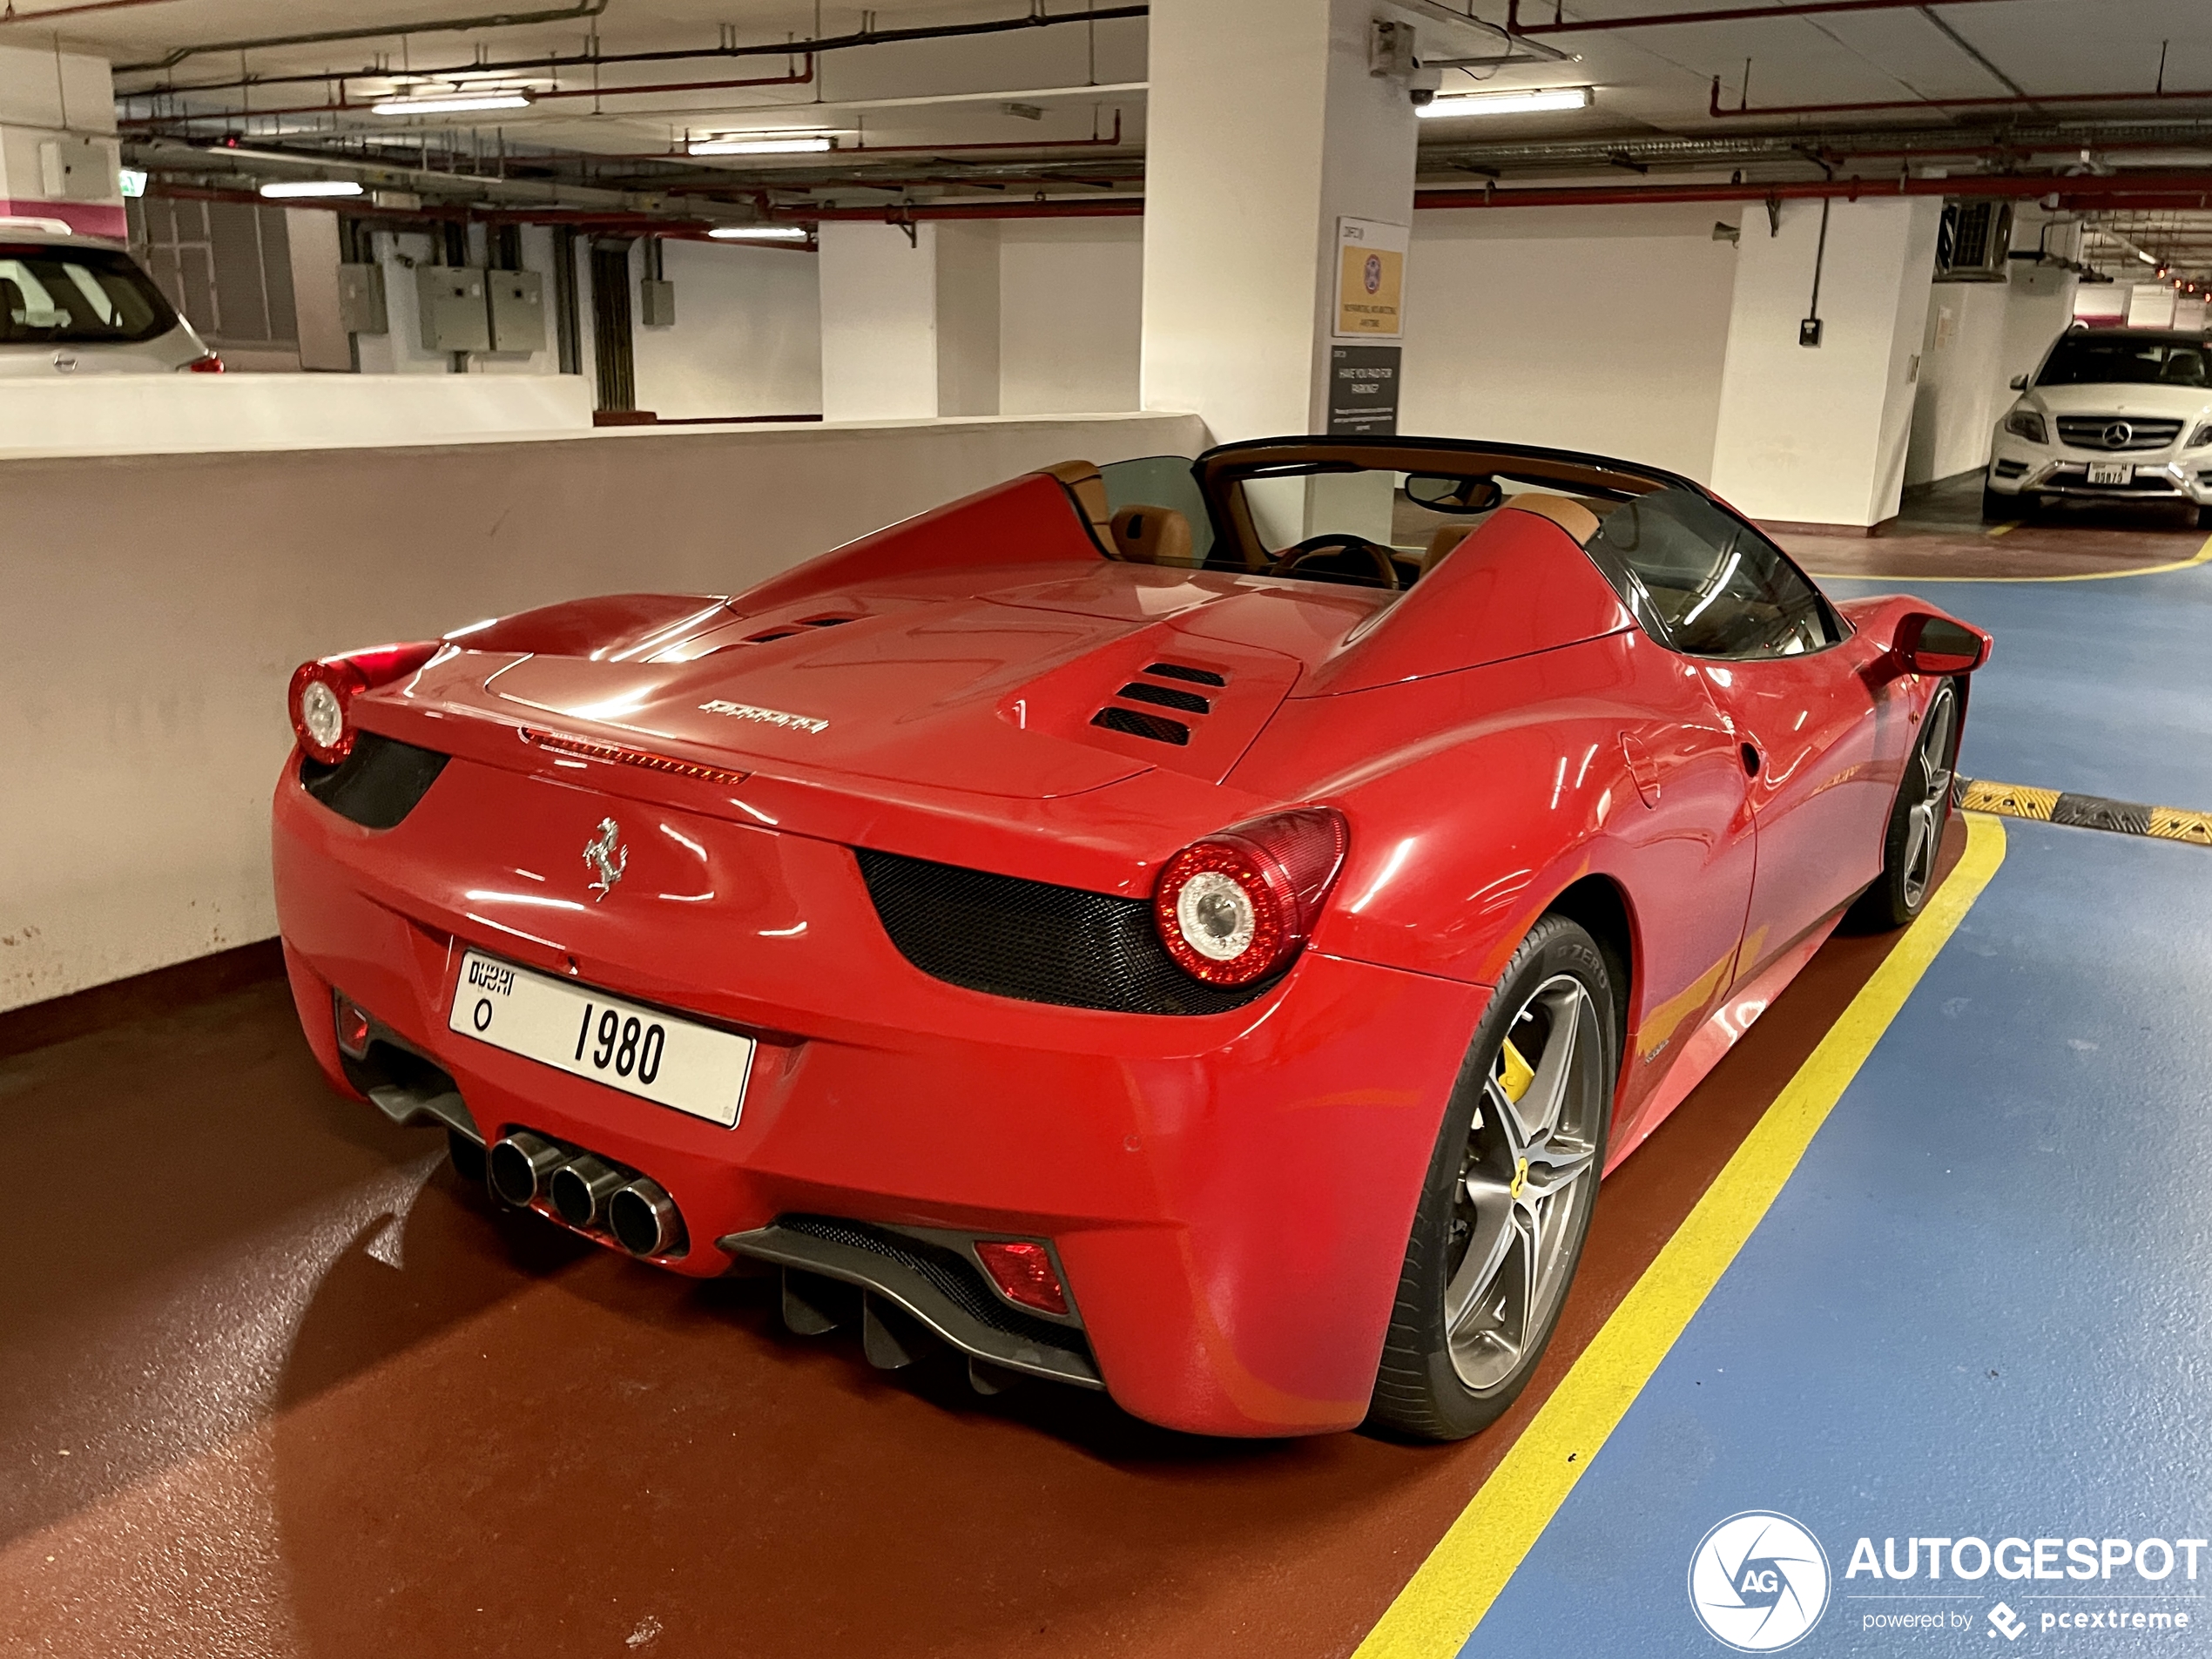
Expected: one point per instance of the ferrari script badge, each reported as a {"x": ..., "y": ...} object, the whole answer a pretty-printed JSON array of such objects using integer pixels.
[{"x": 605, "y": 858}]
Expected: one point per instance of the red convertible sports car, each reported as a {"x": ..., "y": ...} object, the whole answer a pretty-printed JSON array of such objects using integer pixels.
[{"x": 1198, "y": 931}]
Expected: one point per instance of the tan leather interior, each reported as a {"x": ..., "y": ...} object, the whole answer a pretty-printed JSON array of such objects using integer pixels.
[
  {"x": 1083, "y": 478},
  {"x": 1152, "y": 536},
  {"x": 1442, "y": 541},
  {"x": 1572, "y": 516}
]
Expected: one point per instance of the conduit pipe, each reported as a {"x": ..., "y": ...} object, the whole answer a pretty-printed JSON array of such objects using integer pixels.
[
  {"x": 374, "y": 31},
  {"x": 1937, "y": 102},
  {"x": 774, "y": 48},
  {"x": 1515, "y": 28},
  {"x": 2175, "y": 189},
  {"x": 12, "y": 16}
]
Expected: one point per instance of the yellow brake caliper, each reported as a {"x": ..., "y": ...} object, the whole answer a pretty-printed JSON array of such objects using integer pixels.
[{"x": 1514, "y": 1075}]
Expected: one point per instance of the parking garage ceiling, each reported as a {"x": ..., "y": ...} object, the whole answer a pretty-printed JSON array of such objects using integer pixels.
[{"x": 931, "y": 106}]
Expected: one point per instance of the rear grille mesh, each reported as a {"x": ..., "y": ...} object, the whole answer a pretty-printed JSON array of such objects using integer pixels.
[
  {"x": 2089, "y": 432},
  {"x": 378, "y": 783},
  {"x": 949, "y": 1273},
  {"x": 1035, "y": 942}
]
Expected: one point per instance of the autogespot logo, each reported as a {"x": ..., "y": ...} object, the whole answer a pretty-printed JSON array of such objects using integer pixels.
[{"x": 1758, "y": 1582}]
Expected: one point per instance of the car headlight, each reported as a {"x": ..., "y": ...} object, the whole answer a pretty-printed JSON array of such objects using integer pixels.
[
  {"x": 2202, "y": 436},
  {"x": 2026, "y": 423}
]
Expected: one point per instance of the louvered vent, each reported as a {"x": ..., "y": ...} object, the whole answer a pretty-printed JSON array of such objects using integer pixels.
[
  {"x": 1158, "y": 727},
  {"x": 790, "y": 630}
]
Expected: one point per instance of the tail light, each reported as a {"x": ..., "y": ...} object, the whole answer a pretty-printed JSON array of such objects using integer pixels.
[
  {"x": 211, "y": 363},
  {"x": 1023, "y": 1272},
  {"x": 322, "y": 697},
  {"x": 1240, "y": 905}
]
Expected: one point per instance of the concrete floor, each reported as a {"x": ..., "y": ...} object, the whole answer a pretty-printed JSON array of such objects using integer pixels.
[{"x": 273, "y": 1382}]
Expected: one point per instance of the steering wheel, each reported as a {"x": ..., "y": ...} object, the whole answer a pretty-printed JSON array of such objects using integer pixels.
[{"x": 1287, "y": 561}]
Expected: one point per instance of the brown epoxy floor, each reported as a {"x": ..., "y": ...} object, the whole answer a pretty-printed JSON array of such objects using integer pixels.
[
  {"x": 273, "y": 1382},
  {"x": 1940, "y": 531}
]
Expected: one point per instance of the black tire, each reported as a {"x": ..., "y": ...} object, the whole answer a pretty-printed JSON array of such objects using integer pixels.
[
  {"x": 468, "y": 1158},
  {"x": 2204, "y": 518},
  {"x": 1998, "y": 509},
  {"x": 1923, "y": 804},
  {"x": 1434, "y": 1386}
]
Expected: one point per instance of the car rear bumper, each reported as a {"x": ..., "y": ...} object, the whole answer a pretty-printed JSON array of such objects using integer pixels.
[{"x": 1228, "y": 1194}]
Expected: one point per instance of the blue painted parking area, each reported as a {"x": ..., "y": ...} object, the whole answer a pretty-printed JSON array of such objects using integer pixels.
[{"x": 1967, "y": 1350}]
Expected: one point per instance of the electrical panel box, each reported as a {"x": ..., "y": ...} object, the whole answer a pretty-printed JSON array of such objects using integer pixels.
[
  {"x": 517, "y": 310},
  {"x": 77, "y": 170},
  {"x": 454, "y": 314},
  {"x": 360, "y": 299},
  {"x": 656, "y": 303}
]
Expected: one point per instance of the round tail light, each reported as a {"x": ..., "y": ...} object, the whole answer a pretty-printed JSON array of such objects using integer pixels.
[
  {"x": 321, "y": 695},
  {"x": 1240, "y": 905}
]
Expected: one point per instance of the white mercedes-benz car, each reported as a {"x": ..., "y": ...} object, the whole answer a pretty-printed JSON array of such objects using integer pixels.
[
  {"x": 2116, "y": 415},
  {"x": 79, "y": 304}
]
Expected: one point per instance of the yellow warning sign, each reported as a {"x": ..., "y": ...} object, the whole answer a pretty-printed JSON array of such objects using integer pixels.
[{"x": 1371, "y": 279}]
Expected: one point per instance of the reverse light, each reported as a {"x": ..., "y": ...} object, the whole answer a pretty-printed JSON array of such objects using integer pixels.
[
  {"x": 2026, "y": 423},
  {"x": 1024, "y": 1274},
  {"x": 1239, "y": 905},
  {"x": 320, "y": 698}
]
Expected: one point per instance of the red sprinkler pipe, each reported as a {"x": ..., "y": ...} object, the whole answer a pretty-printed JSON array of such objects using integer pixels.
[
  {"x": 2173, "y": 189},
  {"x": 1720, "y": 14},
  {"x": 1716, "y": 109}
]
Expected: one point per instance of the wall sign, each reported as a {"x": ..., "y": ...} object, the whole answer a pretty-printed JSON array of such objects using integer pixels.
[
  {"x": 1363, "y": 391},
  {"x": 1371, "y": 279}
]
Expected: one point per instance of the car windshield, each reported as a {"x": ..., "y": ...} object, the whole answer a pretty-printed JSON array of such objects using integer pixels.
[
  {"x": 2090, "y": 360},
  {"x": 76, "y": 296}
]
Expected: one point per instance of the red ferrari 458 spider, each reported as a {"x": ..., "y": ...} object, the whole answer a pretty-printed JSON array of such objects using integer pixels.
[{"x": 1198, "y": 931}]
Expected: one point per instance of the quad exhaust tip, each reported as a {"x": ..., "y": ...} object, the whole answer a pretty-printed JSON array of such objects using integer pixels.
[{"x": 521, "y": 1165}]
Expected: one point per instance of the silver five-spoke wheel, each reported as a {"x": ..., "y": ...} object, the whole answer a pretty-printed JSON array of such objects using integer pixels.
[{"x": 1930, "y": 807}]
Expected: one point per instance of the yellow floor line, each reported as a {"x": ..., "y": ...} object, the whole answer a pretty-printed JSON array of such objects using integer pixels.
[
  {"x": 1436, "y": 1612},
  {"x": 2202, "y": 555},
  {"x": 2000, "y": 530}
]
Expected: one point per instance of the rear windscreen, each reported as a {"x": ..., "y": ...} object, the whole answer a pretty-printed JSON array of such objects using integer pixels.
[{"x": 76, "y": 296}]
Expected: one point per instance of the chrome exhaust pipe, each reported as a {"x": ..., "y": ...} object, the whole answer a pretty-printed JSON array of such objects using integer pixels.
[
  {"x": 580, "y": 1188},
  {"x": 521, "y": 1164},
  {"x": 644, "y": 1219}
]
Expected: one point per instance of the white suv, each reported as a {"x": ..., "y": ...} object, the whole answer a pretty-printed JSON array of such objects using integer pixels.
[
  {"x": 2114, "y": 414},
  {"x": 76, "y": 305}
]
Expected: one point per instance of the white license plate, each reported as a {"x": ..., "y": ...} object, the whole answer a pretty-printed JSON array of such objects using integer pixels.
[
  {"x": 673, "y": 1062},
  {"x": 2110, "y": 472}
]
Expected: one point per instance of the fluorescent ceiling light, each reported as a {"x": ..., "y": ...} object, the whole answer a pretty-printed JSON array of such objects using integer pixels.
[
  {"x": 2145, "y": 257},
  {"x": 459, "y": 103},
  {"x": 133, "y": 180},
  {"x": 759, "y": 232},
  {"x": 1533, "y": 103},
  {"x": 313, "y": 187},
  {"x": 762, "y": 144}
]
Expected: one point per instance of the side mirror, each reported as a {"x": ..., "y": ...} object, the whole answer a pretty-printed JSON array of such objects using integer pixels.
[
  {"x": 1930, "y": 644},
  {"x": 2020, "y": 382}
]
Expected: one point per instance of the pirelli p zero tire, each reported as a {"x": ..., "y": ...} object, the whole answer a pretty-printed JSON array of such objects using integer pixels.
[
  {"x": 1914, "y": 839},
  {"x": 1506, "y": 1201}
]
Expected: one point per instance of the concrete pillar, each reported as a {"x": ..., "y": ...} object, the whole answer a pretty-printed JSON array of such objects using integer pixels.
[
  {"x": 910, "y": 329},
  {"x": 1263, "y": 128},
  {"x": 1818, "y": 434},
  {"x": 59, "y": 156}
]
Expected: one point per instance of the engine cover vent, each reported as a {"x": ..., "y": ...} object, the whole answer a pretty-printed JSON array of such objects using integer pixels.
[{"x": 1157, "y": 727}]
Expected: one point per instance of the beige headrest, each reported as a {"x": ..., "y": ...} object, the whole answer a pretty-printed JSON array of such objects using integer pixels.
[
  {"x": 1447, "y": 537},
  {"x": 1152, "y": 536},
  {"x": 1572, "y": 516},
  {"x": 1089, "y": 488}
]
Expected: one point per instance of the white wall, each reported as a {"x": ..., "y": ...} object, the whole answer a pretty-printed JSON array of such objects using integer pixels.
[
  {"x": 1591, "y": 328},
  {"x": 1071, "y": 298},
  {"x": 1962, "y": 385},
  {"x": 157, "y": 605},
  {"x": 879, "y": 300},
  {"x": 747, "y": 338},
  {"x": 1819, "y": 435}
]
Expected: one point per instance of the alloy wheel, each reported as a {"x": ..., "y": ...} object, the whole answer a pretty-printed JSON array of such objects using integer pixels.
[
  {"x": 1529, "y": 1167},
  {"x": 1926, "y": 816}
]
